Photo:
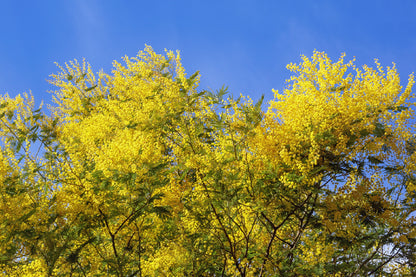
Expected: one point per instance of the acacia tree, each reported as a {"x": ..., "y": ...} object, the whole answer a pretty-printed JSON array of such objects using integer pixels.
[{"x": 137, "y": 173}]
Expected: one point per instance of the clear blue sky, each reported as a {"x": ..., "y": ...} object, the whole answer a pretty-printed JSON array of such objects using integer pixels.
[{"x": 243, "y": 44}]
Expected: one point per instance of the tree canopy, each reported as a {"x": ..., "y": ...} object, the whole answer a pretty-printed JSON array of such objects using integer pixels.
[{"x": 140, "y": 173}]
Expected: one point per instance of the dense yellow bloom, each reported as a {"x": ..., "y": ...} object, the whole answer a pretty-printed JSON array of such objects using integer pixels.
[{"x": 137, "y": 173}]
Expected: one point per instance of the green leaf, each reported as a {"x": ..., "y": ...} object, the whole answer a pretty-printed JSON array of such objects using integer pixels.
[
  {"x": 252, "y": 255},
  {"x": 157, "y": 168},
  {"x": 131, "y": 125},
  {"x": 157, "y": 196},
  {"x": 222, "y": 91},
  {"x": 318, "y": 170},
  {"x": 82, "y": 76},
  {"x": 380, "y": 130},
  {"x": 334, "y": 115},
  {"x": 327, "y": 138},
  {"x": 90, "y": 88},
  {"x": 135, "y": 215},
  {"x": 340, "y": 88},
  {"x": 364, "y": 133},
  {"x": 374, "y": 160},
  {"x": 200, "y": 93},
  {"x": 410, "y": 146},
  {"x": 398, "y": 108},
  {"x": 161, "y": 211},
  {"x": 9, "y": 115},
  {"x": 259, "y": 103},
  {"x": 193, "y": 76},
  {"x": 355, "y": 121},
  {"x": 351, "y": 140},
  {"x": 26, "y": 216},
  {"x": 293, "y": 177}
]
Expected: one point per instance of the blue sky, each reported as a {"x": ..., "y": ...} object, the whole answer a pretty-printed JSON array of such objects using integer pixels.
[{"x": 243, "y": 44}]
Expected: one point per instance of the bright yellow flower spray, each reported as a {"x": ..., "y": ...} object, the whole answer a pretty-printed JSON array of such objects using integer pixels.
[{"x": 138, "y": 173}]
